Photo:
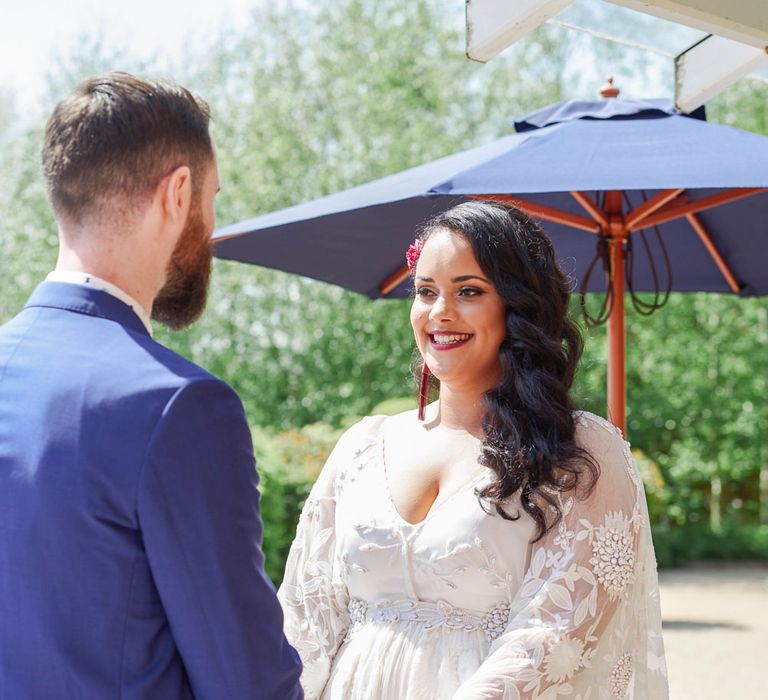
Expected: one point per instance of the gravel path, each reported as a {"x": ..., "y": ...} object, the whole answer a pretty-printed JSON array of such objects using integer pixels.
[{"x": 716, "y": 631}]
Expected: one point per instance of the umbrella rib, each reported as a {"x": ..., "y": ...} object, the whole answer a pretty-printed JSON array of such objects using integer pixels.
[
  {"x": 543, "y": 212},
  {"x": 218, "y": 239},
  {"x": 709, "y": 244},
  {"x": 591, "y": 208},
  {"x": 636, "y": 216},
  {"x": 675, "y": 212},
  {"x": 394, "y": 280}
]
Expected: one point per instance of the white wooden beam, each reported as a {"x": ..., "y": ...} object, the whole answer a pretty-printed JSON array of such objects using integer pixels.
[
  {"x": 709, "y": 67},
  {"x": 740, "y": 20},
  {"x": 493, "y": 25}
]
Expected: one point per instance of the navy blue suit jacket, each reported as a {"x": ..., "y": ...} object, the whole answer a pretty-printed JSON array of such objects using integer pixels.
[{"x": 130, "y": 537}]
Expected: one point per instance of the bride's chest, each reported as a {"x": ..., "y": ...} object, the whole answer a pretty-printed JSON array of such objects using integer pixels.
[{"x": 459, "y": 553}]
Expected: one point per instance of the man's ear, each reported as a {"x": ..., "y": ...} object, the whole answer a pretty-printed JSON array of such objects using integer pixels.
[{"x": 175, "y": 192}]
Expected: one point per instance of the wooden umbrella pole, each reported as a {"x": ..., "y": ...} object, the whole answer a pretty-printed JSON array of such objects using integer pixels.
[
  {"x": 617, "y": 395},
  {"x": 617, "y": 233}
]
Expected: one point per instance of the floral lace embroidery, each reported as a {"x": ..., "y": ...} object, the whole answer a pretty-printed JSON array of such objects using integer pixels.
[
  {"x": 438, "y": 564},
  {"x": 614, "y": 555},
  {"x": 563, "y": 659},
  {"x": 621, "y": 675},
  {"x": 496, "y": 577},
  {"x": 445, "y": 567},
  {"x": 564, "y": 537},
  {"x": 349, "y": 473}
]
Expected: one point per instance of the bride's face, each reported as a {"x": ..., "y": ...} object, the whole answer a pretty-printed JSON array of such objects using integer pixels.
[{"x": 458, "y": 318}]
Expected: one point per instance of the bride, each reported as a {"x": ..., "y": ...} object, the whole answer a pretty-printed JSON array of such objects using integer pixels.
[{"x": 495, "y": 544}]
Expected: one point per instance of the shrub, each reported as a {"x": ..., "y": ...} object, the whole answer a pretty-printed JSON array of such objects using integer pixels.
[
  {"x": 288, "y": 463},
  {"x": 677, "y": 545}
]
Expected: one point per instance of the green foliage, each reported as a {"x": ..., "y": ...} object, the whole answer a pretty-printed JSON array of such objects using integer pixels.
[
  {"x": 742, "y": 105},
  {"x": 677, "y": 545}
]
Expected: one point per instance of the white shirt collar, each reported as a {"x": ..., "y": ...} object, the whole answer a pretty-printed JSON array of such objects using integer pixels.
[{"x": 89, "y": 280}]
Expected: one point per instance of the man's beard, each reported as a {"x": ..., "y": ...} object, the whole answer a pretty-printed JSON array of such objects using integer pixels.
[{"x": 182, "y": 299}]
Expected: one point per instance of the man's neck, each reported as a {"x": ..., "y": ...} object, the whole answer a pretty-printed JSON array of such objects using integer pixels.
[
  {"x": 90, "y": 280},
  {"x": 133, "y": 285}
]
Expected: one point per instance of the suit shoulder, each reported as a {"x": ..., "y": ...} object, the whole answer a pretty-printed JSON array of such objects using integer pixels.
[
  {"x": 149, "y": 367},
  {"x": 158, "y": 375},
  {"x": 175, "y": 365}
]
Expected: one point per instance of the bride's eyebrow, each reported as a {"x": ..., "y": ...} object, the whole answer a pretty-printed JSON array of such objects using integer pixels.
[
  {"x": 466, "y": 278},
  {"x": 460, "y": 278}
]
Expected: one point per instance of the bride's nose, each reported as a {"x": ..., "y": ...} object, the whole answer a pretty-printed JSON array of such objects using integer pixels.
[{"x": 442, "y": 309}]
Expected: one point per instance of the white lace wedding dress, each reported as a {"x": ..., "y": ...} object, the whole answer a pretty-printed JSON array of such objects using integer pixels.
[{"x": 461, "y": 605}]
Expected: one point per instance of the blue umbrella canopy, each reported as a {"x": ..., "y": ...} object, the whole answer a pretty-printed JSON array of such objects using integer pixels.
[{"x": 700, "y": 186}]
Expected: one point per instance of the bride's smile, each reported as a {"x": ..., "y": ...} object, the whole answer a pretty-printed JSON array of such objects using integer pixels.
[{"x": 448, "y": 340}]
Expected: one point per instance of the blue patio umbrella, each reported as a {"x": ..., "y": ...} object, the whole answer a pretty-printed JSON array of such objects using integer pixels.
[{"x": 599, "y": 174}]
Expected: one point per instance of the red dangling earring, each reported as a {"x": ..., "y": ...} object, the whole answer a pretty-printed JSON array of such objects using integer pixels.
[{"x": 423, "y": 390}]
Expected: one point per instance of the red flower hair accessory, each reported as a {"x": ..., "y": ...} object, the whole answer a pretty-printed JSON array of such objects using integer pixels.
[{"x": 413, "y": 253}]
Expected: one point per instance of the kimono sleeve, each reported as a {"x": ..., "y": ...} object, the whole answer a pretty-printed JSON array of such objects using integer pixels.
[
  {"x": 313, "y": 593},
  {"x": 579, "y": 593}
]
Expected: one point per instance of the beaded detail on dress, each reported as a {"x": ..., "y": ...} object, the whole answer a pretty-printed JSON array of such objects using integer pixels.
[{"x": 429, "y": 615}]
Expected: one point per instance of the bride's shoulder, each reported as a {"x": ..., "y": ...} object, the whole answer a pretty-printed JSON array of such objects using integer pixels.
[
  {"x": 376, "y": 425},
  {"x": 372, "y": 429},
  {"x": 592, "y": 428},
  {"x": 601, "y": 438},
  {"x": 357, "y": 438},
  {"x": 404, "y": 419},
  {"x": 364, "y": 429},
  {"x": 606, "y": 445}
]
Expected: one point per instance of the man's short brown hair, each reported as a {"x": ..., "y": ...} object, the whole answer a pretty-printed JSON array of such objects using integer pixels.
[{"x": 116, "y": 137}]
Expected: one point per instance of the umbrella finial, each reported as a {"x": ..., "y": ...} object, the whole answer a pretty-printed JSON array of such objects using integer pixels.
[{"x": 609, "y": 89}]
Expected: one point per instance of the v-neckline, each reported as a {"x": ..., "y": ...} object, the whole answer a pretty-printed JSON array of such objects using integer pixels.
[{"x": 436, "y": 504}]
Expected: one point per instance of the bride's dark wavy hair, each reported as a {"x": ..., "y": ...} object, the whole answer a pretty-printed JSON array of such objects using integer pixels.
[{"x": 529, "y": 423}]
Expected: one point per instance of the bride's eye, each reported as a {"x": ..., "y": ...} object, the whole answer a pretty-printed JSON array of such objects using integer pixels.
[
  {"x": 470, "y": 292},
  {"x": 424, "y": 292}
]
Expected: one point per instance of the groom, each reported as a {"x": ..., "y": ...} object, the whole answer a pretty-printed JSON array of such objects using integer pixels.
[{"x": 130, "y": 536}]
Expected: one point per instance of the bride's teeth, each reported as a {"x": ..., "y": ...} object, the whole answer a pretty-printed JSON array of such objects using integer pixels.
[{"x": 449, "y": 339}]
